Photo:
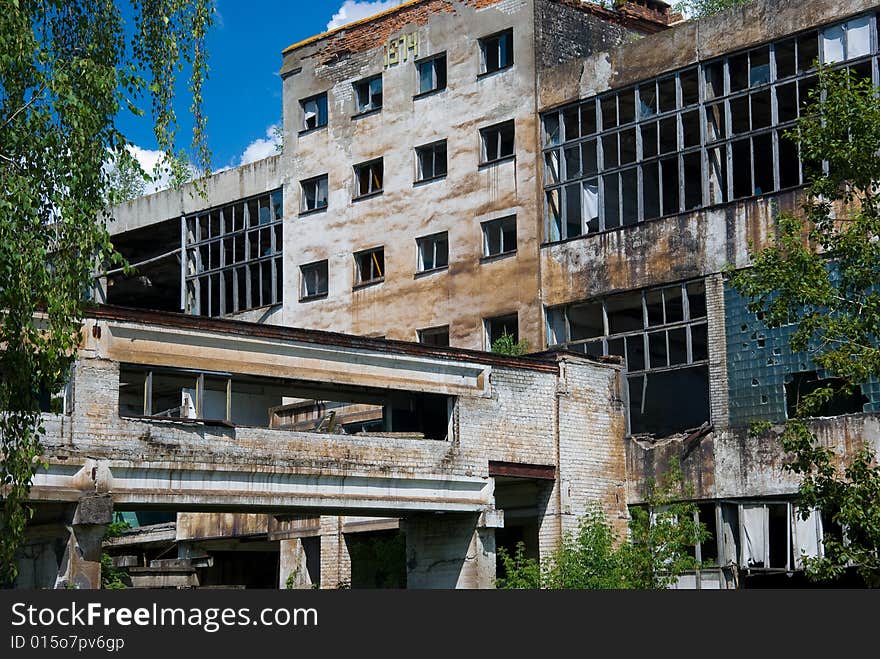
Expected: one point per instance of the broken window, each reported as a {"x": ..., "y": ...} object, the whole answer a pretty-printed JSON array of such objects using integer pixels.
[
  {"x": 314, "y": 278},
  {"x": 431, "y": 161},
  {"x": 368, "y": 94},
  {"x": 497, "y": 142},
  {"x": 432, "y": 74},
  {"x": 694, "y": 146},
  {"x": 499, "y": 236},
  {"x": 256, "y": 401},
  {"x": 433, "y": 252},
  {"x": 662, "y": 336},
  {"x": 368, "y": 178},
  {"x": 233, "y": 256},
  {"x": 499, "y": 327},
  {"x": 369, "y": 266},
  {"x": 314, "y": 194},
  {"x": 841, "y": 400},
  {"x": 314, "y": 111},
  {"x": 435, "y": 336},
  {"x": 496, "y": 52}
]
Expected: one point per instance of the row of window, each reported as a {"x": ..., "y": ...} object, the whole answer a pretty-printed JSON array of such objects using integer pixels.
[
  {"x": 233, "y": 256},
  {"x": 432, "y": 253},
  {"x": 497, "y": 143},
  {"x": 705, "y": 135},
  {"x": 662, "y": 336},
  {"x": 496, "y": 53}
]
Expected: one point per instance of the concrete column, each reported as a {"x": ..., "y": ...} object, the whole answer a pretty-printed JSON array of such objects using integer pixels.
[
  {"x": 293, "y": 570},
  {"x": 450, "y": 551},
  {"x": 335, "y": 559},
  {"x": 81, "y": 563}
]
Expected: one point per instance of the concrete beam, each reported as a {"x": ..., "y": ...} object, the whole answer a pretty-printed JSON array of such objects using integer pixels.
[{"x": 257, "y": 488}]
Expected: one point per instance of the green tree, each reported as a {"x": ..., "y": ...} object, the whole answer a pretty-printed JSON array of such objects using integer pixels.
[
  {"x": 821, "y": 274},
  {"x": 661, "y": 536},
  {"x": 701, "y": 8},
  {"x": 507, "y": 344},
  {"x": 68, "y": 68}
]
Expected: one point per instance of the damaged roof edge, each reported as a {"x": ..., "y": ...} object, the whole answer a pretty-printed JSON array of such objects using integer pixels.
[
  {"x": 539, "y": 362},
  {"x": 622, "y": 14}
]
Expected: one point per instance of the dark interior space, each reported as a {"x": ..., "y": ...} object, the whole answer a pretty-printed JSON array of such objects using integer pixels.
[
  {"x": 156, "y": 283},
  {"x": 378, "y": 559}
]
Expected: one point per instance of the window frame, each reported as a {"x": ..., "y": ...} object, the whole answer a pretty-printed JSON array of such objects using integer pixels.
[
  {"x": 314, "y": 180},
  {"x": 495, "y": 41},
  {"x": 368, "y": 165},
  {"x": 489, "y": 225},
  {"x": 438, "y": 330},
  {"x": 431, "y": 240},
  {"x": 694, "y": 151},
  {"x": 487, "y": 325},
  {"x": 498, "y": 131},
  {"x": 365, "y": 85},
  {"x": 233, "y": 254},
  {"x": 316, "y": 98},
  {"x": 431, "y": 149},
  {"x": 359, "y": 281},
  {"x": 304, "y": 295},
  {"x": 433, "y": 61}
]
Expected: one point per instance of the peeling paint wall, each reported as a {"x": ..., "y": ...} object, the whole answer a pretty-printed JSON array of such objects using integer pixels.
[{"x": 469, "y": 290}]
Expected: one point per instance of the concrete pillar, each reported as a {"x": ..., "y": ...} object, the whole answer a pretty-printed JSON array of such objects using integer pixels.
[
  {"x": 451, "y": 551},
  {"x": 293, "y": 570},
  {"x": 81, "y": 563},
  {"x": 335, "y": 559}
]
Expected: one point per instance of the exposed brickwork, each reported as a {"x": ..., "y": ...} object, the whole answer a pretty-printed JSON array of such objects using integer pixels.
[
  {"x": 718, "y": 385},
  {"x": 565, "y": 30}
]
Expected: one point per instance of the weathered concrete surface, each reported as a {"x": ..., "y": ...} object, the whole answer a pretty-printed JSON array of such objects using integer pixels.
[
  {"x": 457, "y": 203},
  {"x": 81, "y": 563},
  {"x": 687, "y": 43},
  {"x": 561, "y": 411},
  {"x": 730, "y": 463},
  {"x": 449, "y": 552},
  {"x": 221, "y": 188}
]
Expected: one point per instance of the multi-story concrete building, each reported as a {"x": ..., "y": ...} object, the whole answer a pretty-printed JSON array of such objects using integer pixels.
[{"x": 577, "y": 176}]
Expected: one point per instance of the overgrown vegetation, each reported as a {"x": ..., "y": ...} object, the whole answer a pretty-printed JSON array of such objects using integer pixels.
[
  {"x": 662, "y": 534},
  {"x": 701, "y": 8},
  {"x": 507, "y": 344},
  {"x": 112, "y": 577},
  {"x": 822, "y": 274},
  {"x": 67, "y": 70}
]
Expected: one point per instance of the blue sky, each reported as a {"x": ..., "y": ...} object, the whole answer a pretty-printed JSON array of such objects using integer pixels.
[{"x": 243, "y": 92}]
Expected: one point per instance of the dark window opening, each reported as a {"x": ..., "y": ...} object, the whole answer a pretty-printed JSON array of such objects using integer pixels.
[
  {"x": 368, "y": 178},
  {"x": 501, "y": 326},
  {"x": 253, "y": 401},
  {"x": 314, "y": 111},
  {"x": 368, "y": 94},
  {"x": 432, "y": 74},
  {"x": 435, "y": 336},
  {"x": 653, "y": 394},
  {"x": 496, "y": 52},
  {"x": 841, "y": 401},
  {"x": 378, "y": 559},
  {"x": 369, "y": 266},
  {"x": 497, "y": 142},
  {"x": 314, "y": 277}
]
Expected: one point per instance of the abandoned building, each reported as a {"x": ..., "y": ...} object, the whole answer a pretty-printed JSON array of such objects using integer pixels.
[{"x": 453, "y": 170}]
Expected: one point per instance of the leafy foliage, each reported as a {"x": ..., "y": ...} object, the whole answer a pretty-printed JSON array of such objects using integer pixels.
[
  {"x": 700, "y": 8},
  {"x": 507, "y": 344},
  {"x": 112, "y": 577},
  {"x": 67, "y": 70},
  {"x": 822, "y": 274},
  {"x": 595, "y": 558}
]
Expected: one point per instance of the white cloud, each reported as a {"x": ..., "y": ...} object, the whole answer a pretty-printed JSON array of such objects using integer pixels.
[
  {"x": 261, "y": 148},
  {"x": 354, "y": 10},
  {"x": 148, "y": 159}
]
